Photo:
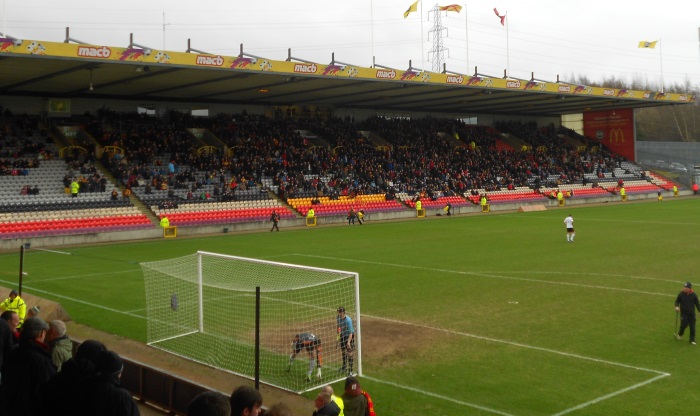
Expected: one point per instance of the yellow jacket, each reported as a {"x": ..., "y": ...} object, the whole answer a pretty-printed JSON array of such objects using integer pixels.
[
  {"x": 310, "y": 213},
  {"x": 16, "y": 305},
  {"x": 164, "y": 222}
]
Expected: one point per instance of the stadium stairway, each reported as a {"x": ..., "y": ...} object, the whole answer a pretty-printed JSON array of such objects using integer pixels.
[{"x": 137, "y": 203}]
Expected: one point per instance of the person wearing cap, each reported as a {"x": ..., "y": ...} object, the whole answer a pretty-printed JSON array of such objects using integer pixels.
[
  {"x": 346, "y": 337},
  {"x": 686, "y": 303},
  {"x": 16, "y": 304},
  {"x": 102, "y": 394},
  {"x": 33, "y": 311},
  {"x": 357, "y": 401},
  {"x": 310, "y": 343},
  {"x": 63, "y": 391},
  {"x": 27, "y": 369}
]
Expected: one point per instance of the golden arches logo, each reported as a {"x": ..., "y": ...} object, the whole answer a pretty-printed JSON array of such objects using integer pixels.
[{"x": 617, "y": 136}]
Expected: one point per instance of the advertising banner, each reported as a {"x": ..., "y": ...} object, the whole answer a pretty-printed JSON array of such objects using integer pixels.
[{"x": 613, "y": 128}]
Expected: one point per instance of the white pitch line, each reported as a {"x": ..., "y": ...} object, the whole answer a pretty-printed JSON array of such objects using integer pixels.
[
  {"x": 438, "y": 396},
  {"x": 519, "y": 216},
  {"x": 94, "y": 305},
  {"x": 84, "y": 275},
  {"x": 482, "y": 274},
  {"x": 517, "y": 344},
  {"x": 613, "y": 394}
]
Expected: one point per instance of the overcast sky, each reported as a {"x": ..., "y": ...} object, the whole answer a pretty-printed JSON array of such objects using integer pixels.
[{"x": 596, "y": 38}]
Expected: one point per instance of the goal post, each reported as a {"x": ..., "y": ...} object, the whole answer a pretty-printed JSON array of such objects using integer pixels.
[{"x": 203, "y": 307}]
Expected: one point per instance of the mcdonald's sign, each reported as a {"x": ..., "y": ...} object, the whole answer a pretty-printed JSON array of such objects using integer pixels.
[
  {"x": 615, "y": 129},
  {"x": 616, "y": 137}
]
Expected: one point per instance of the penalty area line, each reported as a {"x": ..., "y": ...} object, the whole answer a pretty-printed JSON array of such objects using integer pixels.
[
  {"x": 438, "y": 396},
  {"x": 608, "y": 396}
]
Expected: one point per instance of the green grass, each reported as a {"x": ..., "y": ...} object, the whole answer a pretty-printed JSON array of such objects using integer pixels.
[{"x": 512, "y": 318}]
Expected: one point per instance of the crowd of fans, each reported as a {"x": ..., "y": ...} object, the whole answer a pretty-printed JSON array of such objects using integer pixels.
[
  {"x": 438, "y": 156},
  {"x": 432, "y": 156}
]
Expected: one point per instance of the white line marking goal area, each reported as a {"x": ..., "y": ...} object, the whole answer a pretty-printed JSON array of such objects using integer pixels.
[{"x": 654, "y": 375}]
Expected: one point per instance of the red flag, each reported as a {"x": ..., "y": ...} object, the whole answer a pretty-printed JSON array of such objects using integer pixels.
[
  {"x": 503, "y": 18},
  {"x": 451, "y": 8}
]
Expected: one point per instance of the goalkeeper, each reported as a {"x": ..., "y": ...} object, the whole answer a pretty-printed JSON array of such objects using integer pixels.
[{"x": 310, "y": 343}]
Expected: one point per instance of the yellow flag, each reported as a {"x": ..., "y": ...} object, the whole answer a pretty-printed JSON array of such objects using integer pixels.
[
  {"x": 413, "y": 8},
  {"x": 646, "y": 44}
]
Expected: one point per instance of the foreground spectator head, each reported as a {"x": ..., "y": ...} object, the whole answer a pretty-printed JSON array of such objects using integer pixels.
[
  {"x": 246, "y": 401},
  {"x": 109, "y": 363},
  {"x": 279, "y": 409},
  {"x": 89, "y": 350},
  {"x": 34, "y": 328},
  {"x": 209, "y": 403},
  {"x": 57, "y": 329},
  {"x": 12, "y": 319},
  {"x": 352, "y": 386}
]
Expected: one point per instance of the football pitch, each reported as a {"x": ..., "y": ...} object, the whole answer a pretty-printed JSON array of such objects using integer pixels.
[{"x": 490, "y": 314}]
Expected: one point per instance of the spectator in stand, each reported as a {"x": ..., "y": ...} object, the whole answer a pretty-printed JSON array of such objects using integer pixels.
[
  {"x": 325, "y": 406},
  {"x": 329, "y": 389},
  {"x": 115, "y": 194},
  {"x": 6, "y": 345},
  {"x": 245, "y": 401},
  {"x": 102, "y": 394},
  {"x": 63, "y": 391},
  {"x": 60, "y": 346},
  {"x": 279, "y": 409},
  {"x": 695, "y": 188},
  {"x": 12, "y": 320},
  {"x": 27, "y": 369},
  {"x": 209, "y": 403},
  {"x": 357, "y": 402}
]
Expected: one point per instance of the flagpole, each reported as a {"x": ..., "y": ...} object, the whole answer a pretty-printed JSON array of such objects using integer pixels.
[
  {"x": 422, "y": 58},
  {"x": 371, "y": 17},
  {"x": 661, "y": 65},
  {"x": 466, "y": 33},
  {"x": 507, "y": 45}
]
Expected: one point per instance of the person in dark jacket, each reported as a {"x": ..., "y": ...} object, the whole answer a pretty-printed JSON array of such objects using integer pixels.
[
  {"x": 63, "y": 391},
  {"x": 27, "y": 369},
  {"x": 686, "y": 304},
  {"x": 325, "y": 406},
  {"x": 102, "y": 395},
  {"x": 6, "y": 345}
]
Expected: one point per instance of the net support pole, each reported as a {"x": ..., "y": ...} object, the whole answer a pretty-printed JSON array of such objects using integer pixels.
[
  {"x": 257, "y": 338},
  {"x": 358, "y": 331},
  {"x": 200, "y": 294}
]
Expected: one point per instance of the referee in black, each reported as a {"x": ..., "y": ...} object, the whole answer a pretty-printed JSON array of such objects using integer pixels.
[{"x": 686, "y": 303}]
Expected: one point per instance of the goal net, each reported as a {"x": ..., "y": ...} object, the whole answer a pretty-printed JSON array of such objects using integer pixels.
[{"x": 203, "y": 307}]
